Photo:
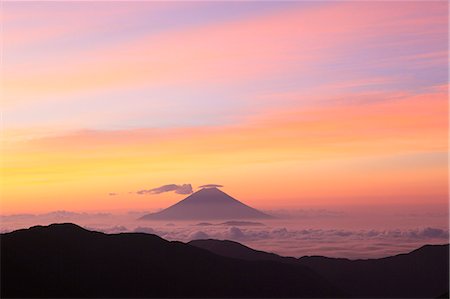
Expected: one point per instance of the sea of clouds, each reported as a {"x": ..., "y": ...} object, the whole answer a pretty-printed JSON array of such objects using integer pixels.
[{"x": 297, "y": 233}]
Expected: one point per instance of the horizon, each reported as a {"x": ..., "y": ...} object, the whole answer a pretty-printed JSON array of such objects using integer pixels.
[
  {"x": 209, "y": 239},
  {"x": 352, "y": 232}
]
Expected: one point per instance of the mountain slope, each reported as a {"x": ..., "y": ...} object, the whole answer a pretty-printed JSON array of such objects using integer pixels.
[
  {"x": 207, "y": 204},
  {"x": 236, "y": 250},
  {"x": 420, "y": 273},
  {"x": 64, "y": 260},
  {"x": 423, "y": 272}
]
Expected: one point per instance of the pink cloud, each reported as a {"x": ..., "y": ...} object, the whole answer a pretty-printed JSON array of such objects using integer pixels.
[{"x": 268, "y": 45}]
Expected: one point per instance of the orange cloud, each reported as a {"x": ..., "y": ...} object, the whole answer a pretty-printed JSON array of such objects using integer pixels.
[
  {"x": 296, "y": 150},
  {"x": 324, "y": 144}
]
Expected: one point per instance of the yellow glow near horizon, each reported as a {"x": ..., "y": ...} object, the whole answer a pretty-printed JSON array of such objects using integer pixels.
[{"x": 275, "y": 101}]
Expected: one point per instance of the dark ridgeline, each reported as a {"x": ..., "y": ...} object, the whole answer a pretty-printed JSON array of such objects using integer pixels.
[
  {"x": 65, "y": 260},
  {"x": 238, "y": 251},
  {"x": 207, "y": 204},
  {"x": 422, "y": 273}
]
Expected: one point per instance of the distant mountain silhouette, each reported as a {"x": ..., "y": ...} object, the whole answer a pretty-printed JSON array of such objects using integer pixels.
[
  {"x": 65, "y": 260},
  {"x": 207, "y": 204},
  {"x": 422, "y": 273}
]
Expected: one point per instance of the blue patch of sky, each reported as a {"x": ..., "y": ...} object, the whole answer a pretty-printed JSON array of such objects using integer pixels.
[{"x": 400, "y": 57}]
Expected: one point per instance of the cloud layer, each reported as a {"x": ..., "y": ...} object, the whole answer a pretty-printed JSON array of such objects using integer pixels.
[
  {"x": 179, "y": 189},
  {"x": 353, "y": 244},
  {"x": 211, "y": 186},
  {"x": 314, "y": 235}
]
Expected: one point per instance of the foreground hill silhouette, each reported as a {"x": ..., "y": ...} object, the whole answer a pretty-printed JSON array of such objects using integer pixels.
[
  {"x": 207, "y": 204},
  {"x": 422, "y": 273},
  {"x": 65, "y": 260}
]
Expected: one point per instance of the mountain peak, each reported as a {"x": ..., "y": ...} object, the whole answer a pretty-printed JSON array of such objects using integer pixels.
[
  {"x": 211, "y": 190},
  {"x": 207, "y": 204},
  {"x": 55, "y": 229},
  {"x": 60, "y": 227}
]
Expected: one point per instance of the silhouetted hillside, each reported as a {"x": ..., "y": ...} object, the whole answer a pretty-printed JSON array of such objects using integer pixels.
[
  {"x": 64, "y": 260},
  {"x": 237, "y": 250},
  {"x": 421, "y": 273}
]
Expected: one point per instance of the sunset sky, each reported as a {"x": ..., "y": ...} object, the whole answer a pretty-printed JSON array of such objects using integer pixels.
[{"x": 286, "y": 104}]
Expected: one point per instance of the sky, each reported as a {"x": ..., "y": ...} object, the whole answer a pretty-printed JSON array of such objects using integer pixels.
[{"x": 285, "y": 104}]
